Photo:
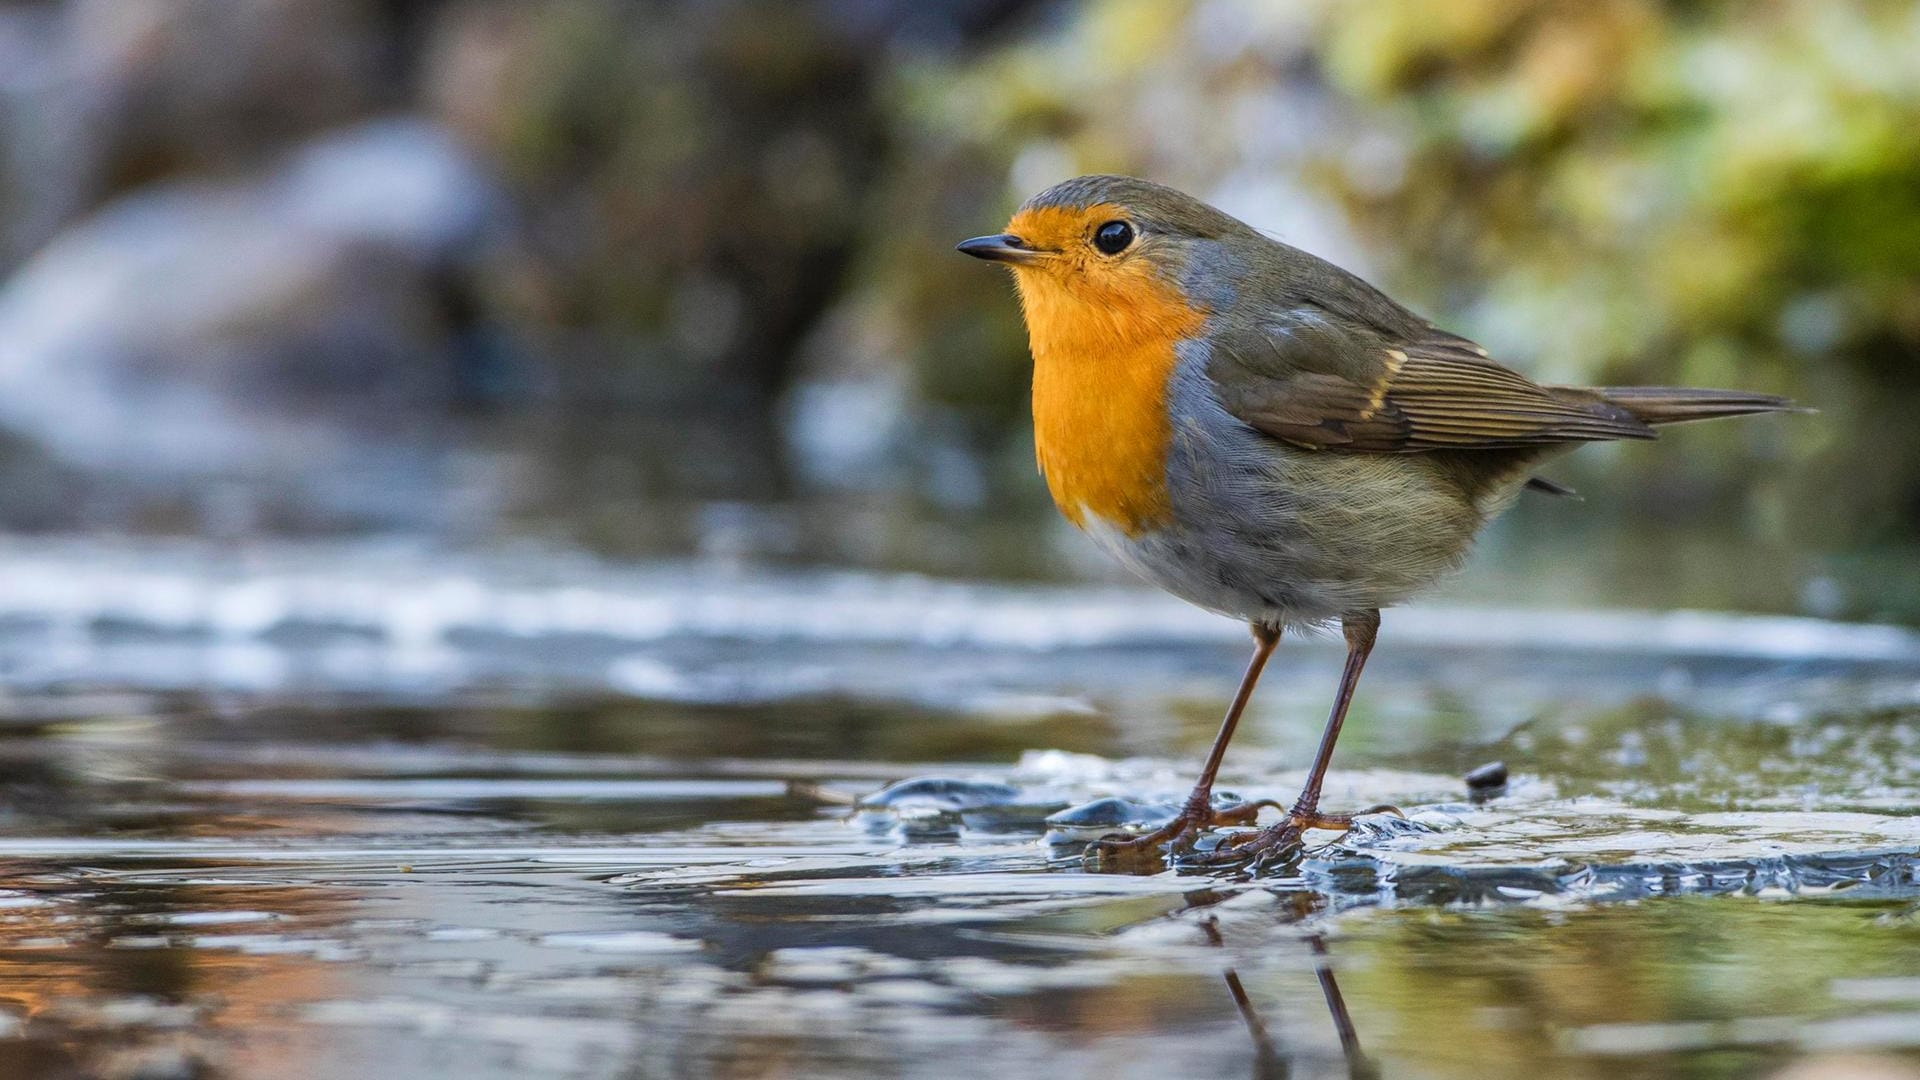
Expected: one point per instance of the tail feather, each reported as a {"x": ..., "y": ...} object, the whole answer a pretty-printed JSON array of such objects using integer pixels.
[{"x": 1675, "y": 404}]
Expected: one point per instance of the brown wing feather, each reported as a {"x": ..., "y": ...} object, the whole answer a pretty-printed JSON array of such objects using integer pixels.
[{"x": 1319, "y": 381}]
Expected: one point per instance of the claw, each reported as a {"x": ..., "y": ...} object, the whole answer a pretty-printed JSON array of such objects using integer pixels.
[
  {"x": 1110, "y": 852},
  {"x": 1254, "y": 847},
  {"x": 1284, "y": 835}
]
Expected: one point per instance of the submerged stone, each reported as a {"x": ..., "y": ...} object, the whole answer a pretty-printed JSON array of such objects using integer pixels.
[
  {"x": 928, "y": 807},
  {"x": 942, "y": 792},
  {"x": 1114, "y": 812},
  {"x": 1118, "y": 814}
]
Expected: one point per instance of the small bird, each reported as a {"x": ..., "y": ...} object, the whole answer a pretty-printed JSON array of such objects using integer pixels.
[{"x": 1265, "y": 435}]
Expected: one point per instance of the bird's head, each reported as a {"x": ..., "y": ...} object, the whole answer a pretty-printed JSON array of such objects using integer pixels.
[{"x": 1105, "y": 254}]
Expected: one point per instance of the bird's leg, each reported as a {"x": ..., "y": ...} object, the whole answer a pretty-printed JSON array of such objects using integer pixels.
[
  {"x": 1360, "y": 629},
  {"x": 1198, "y": 813}
]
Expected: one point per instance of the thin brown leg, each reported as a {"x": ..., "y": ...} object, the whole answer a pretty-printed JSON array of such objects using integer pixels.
[
  {"x": 1198, "y": 813},
  {"x": 1360, "y": 628},
  {"x": 1264, "y": 640},
  {"x": 1360, "y": 631}
]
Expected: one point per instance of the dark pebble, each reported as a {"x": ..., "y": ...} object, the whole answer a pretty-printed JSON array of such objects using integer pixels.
[{"x": 1488, "y": 777}]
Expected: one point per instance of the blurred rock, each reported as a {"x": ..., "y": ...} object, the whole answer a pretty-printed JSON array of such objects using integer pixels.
[
  {"x": 261, "y": 326},
  {"x": 109, "y": 95}
]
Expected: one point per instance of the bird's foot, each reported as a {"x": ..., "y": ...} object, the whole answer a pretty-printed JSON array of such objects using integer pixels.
[
  {"x": 1282, "y": 838},
  {"x": 1149, "y": 851}
]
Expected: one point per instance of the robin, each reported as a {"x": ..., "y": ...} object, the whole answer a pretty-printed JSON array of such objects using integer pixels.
[{"x": 1265, "y": 435}]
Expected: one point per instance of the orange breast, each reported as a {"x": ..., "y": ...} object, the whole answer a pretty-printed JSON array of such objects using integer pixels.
[{"x": 1103, "y": 354}]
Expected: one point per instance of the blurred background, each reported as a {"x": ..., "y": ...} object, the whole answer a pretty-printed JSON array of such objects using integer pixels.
[{"x": 675, "y": 278}]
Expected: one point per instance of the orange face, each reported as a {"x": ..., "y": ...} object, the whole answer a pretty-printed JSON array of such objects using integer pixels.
[
  {"x": 1102, "y": 322},
  {"x": 1090, "y": 284}
]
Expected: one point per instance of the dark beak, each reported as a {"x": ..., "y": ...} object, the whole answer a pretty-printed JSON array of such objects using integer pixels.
[{"x": 1005, "y": 247}]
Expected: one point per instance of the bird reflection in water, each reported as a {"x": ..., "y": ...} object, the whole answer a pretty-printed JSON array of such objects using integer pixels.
[{"x": 1268, "y": 1062}]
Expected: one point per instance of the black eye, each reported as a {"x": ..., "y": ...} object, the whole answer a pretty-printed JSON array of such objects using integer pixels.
[{"x": 1113, "y": 237}]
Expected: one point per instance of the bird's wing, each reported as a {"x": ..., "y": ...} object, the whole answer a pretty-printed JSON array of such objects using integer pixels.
[{"x": 1327, "y": 381}]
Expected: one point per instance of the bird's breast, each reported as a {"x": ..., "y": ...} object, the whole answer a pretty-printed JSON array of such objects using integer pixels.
[{"x": 1100, "y": 386}]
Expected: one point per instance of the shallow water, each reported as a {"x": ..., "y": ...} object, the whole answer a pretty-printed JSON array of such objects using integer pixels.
[{"x": 362, "y": 812}]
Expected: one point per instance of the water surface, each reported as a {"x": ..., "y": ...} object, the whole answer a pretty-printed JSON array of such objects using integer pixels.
[{"x": 316, "y": 812}]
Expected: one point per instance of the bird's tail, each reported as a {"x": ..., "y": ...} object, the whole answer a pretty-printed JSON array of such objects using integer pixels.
[{"x": 1676, "y": 404}]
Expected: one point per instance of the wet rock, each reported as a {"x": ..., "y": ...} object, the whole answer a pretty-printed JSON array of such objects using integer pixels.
[
  {"x": 932, "y": 806},
  {"x": 1114, "y": 812},
  {"x": 1117, "y": 814},
  {"x": 942, "y": 792}
]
